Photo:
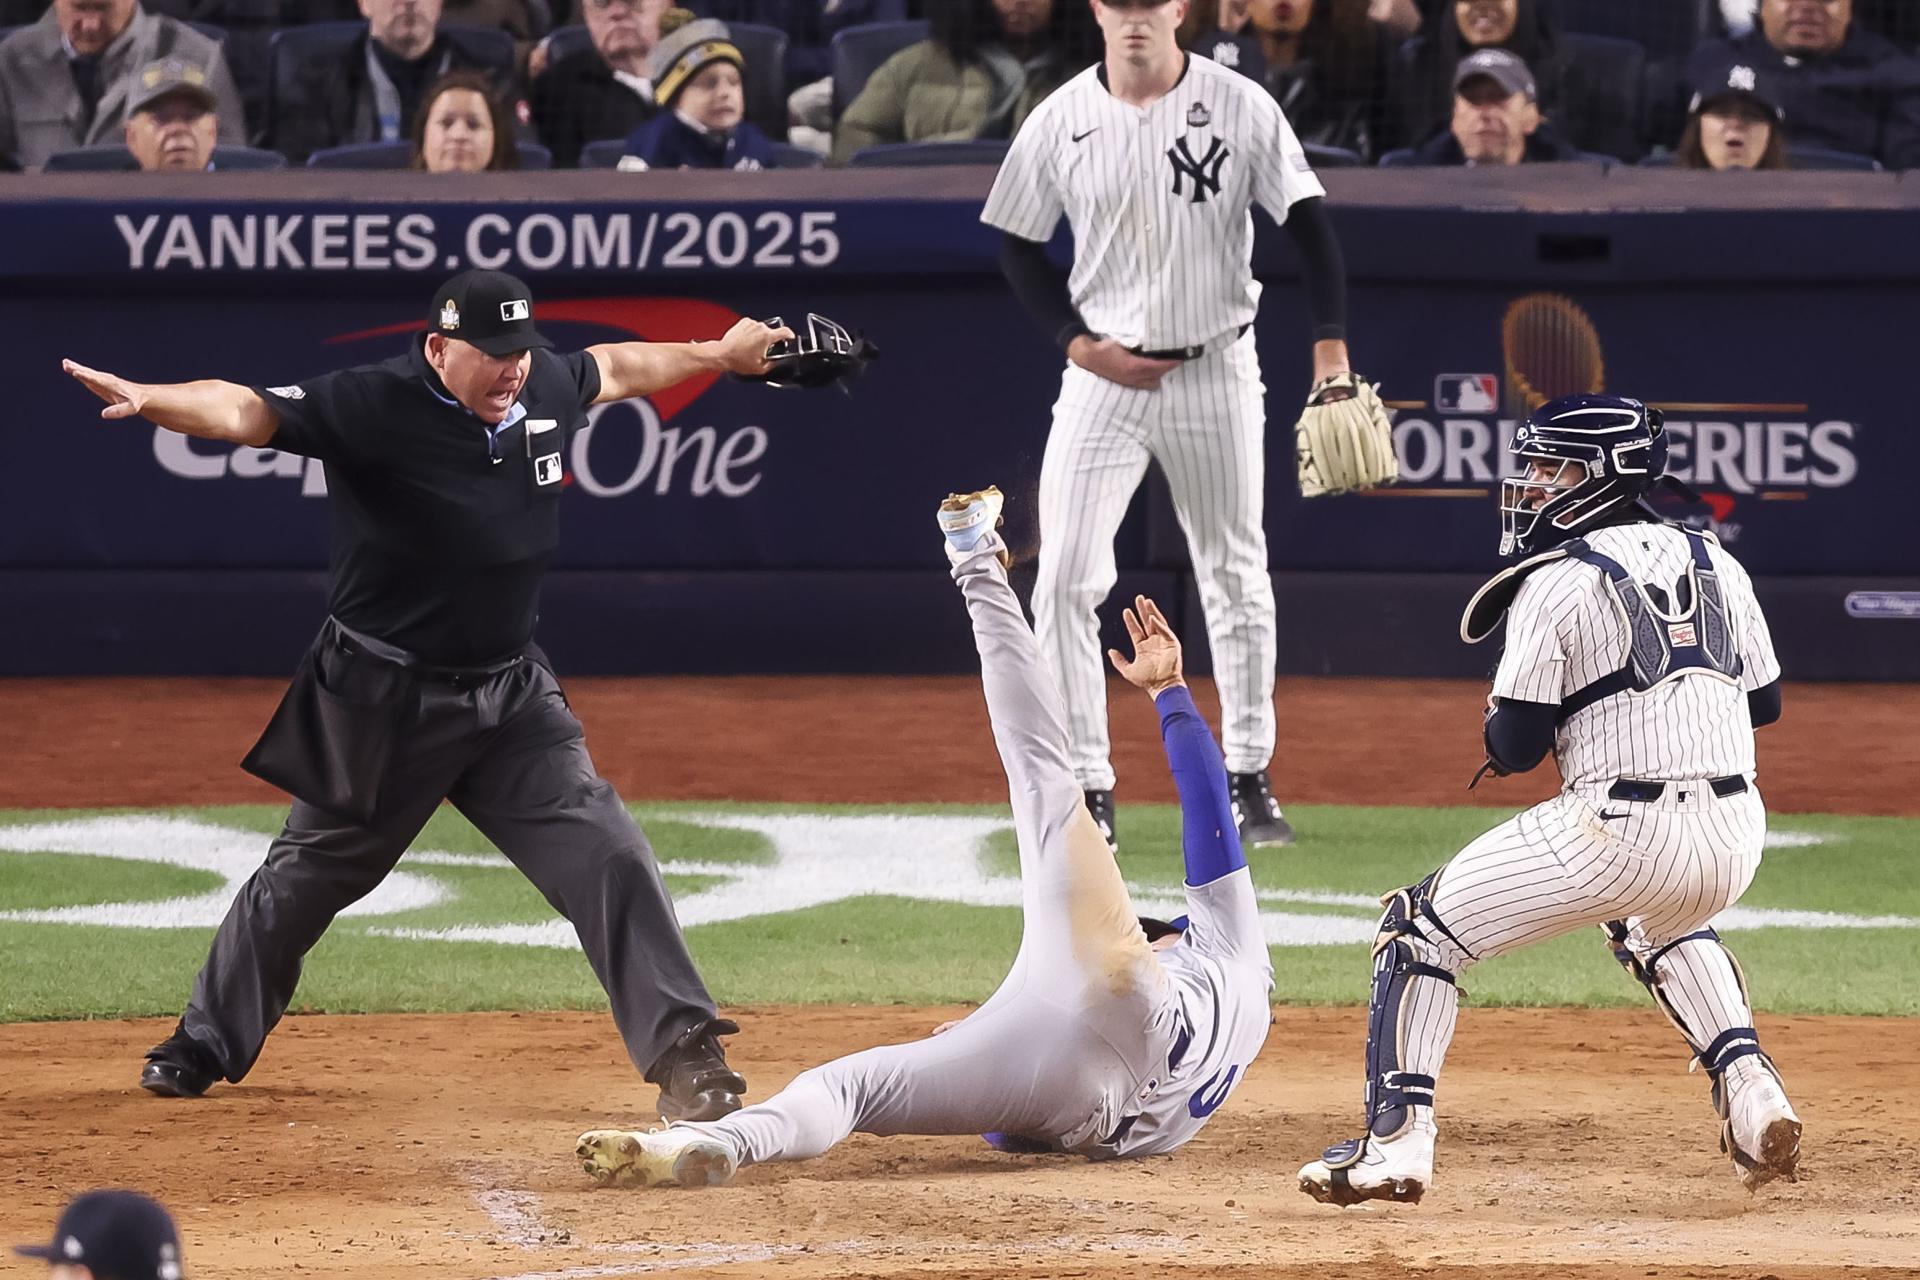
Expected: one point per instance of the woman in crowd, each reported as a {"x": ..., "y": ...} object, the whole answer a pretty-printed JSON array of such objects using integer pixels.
[
  {"x": 1329, "y": 66},
  {"x": 698, "y": 81},
  {"x": 1733, "y": 123},
  {"x": 463, "y": 127},
  {"x": 983, "y": 69}
]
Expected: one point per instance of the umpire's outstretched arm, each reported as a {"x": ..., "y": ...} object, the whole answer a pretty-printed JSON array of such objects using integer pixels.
[
  {"x": 629, "y": 369},
  {"x": 210, "y": 409}
]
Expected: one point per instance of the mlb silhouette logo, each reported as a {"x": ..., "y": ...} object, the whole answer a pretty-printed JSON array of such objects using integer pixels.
[
  {"x": 546, "y": 469},
  {"x": 515, "y": 310},
  {"x": 1466, "y": 393}
]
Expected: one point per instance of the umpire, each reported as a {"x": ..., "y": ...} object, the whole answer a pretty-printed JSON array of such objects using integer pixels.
[{"x": 445, "y": 467}]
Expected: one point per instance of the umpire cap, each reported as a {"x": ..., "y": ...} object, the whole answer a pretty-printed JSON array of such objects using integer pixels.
[
  {"x": 117, "y": 1235},
  {"x": 489, "y": 309}
]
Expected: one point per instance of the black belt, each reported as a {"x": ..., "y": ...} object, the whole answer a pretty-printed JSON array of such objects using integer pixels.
[
  {"x": 380, "y": 651},
  {"x": 1632, "y": 789},
  {"x": 1181, "y": 353}
]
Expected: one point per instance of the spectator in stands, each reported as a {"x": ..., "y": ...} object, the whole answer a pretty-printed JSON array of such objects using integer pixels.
[
  {"x": 171, "y": 120},
  {"x": 697, "y": 81},
  {"x": 1217, "y": 29},
  {"x": 1841, "y": 87},
  {"x": 1733, "y": 123},
  {"x": 1521, "y": 27},
  {"x": 1496, "y": 117},
  {"x": 373, "y": 92},
  {"x": 1329, "y": 66},
  {"x": 987, "y": 64},
  {"x": 65, "y": 80},
  {"x": 602, "y": 91},
  {"x": 464, "y": 127}
]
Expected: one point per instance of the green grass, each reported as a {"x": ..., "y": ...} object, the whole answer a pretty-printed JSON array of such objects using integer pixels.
[{"x": 880, "y": 949}]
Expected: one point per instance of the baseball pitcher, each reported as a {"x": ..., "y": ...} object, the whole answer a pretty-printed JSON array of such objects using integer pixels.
[
  {"x": 1100, "y": 1042},
  {"x": 1636, "y": 653},
  {"x": 1156, "y": 159}
]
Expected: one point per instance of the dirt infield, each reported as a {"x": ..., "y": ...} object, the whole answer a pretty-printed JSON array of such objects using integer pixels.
[
  {"x": 379, "y": 1147},
  {"x": 1839, "y": 749}
]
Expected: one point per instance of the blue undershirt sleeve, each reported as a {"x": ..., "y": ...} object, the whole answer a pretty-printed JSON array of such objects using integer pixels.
[{"x": 1210, "y": 839}]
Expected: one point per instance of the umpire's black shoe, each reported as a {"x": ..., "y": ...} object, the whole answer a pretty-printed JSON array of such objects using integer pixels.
[
  {"x": 1262, "y": 825},
  {"x": 178, "y": 1067},
  {"x": 1100, "y": 805},
  {"x": 695, "y": 1081}
]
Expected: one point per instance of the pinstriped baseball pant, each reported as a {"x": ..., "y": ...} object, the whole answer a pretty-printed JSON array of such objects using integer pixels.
[
  {"x": 1666, "y": 867},
  {"x": 1205, "y": 426}
]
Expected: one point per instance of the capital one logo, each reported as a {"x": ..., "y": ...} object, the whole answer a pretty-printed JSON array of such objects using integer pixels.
[{"x": 1203, "y": 171}]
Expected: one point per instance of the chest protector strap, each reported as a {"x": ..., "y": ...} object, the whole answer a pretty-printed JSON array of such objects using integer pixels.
[{"x": 1694, "y": 637}]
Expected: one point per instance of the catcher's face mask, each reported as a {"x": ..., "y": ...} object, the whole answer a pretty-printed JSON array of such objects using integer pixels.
[
  {"x": 820, "y": 352},
  {"x": 1585, "y": 457}
]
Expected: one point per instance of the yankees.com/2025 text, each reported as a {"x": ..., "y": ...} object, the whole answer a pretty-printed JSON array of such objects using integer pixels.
[{"x": 678, "y": 240}]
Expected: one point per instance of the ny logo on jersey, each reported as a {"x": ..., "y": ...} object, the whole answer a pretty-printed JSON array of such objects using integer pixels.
[
  {"x": 1204, "y": 171},
  {"x": 1207, "y": 1098}
]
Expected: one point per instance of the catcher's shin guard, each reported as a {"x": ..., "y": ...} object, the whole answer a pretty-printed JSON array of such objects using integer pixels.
[
  {"x": 1411, "y": 1013},
  {"x": 1696, "y": 982}
]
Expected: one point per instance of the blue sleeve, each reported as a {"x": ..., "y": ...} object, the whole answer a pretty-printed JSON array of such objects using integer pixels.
[
  {"x": 1209, "y": 839},
  {"x": 1519, "y": 734}
]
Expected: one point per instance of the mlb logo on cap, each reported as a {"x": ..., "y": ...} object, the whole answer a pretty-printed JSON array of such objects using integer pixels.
[
  {"x": 1466, "y": 392},
  {"x": 515, "y": 310}
]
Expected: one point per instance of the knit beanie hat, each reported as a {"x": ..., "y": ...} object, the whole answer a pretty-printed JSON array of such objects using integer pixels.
[{"x": 688, "y": 45}]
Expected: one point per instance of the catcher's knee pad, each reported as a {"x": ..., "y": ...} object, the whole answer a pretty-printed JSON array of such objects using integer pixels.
[{"x": 1405, "y": 952}]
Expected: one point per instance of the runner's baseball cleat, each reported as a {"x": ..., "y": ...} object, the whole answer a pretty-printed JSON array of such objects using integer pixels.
[
  {"x": 967, "y": 519},
  {"x": 672, "y": 1157}
]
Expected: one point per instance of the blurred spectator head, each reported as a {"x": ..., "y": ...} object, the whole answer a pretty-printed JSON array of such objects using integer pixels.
[
  {"x": 91, "y": 25},
  {"x": 112, "y": 1235},
  {"x": 1027, "y": 27},
  {"x": 405, "y": 27},
  {"x": 1806, "y": 26},
  {"x": 463, "y": 127},
  {"x": 1732, "y": 123},
  {"x": 1495, "y": 107},
  {"x": 1486, "y": 23},
  {"x": 170, "y": 116},
  {"x": 1284, "y": 18},
  {"x": 696, "y": 70},
  {"x": 1021, "y": 20},
  {"x": 624, "y": 31}
]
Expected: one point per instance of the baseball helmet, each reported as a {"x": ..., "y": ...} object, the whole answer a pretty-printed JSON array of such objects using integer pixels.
[{"x": 1611, "y": 451}]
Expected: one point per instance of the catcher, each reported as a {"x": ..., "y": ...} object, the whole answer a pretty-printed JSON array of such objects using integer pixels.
[
  {"x": 1114, "y": 1035},
  {"x": 1155, "y": 159},
  {"x": 445, "y": 465}
]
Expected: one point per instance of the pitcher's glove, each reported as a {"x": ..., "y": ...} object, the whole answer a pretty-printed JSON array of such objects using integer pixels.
[
  {"x": 1344, "y": 440},
  {"x": 820, "y": 354}
]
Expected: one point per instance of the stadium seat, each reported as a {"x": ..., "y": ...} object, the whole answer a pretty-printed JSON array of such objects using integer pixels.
[
  {"x": 1821, "y": 158},
  {"x": 535, "y": 156},
  {"x": 1601, "y": 103},
  {"x": 114, "y": 159},
  {"x": 567, "y": 42},
  {"x": 1403, "y": 158},
  {"x": 328, "y": 42},
  {"x": 1324, "y": 157},
  {"x": 904, "y": 154},
  {"x": 1666, "y": 29},
  {"x": 859, "y": 51},
  {"x": 606, "y": 155},
  {"x": 363, "y": 155}
]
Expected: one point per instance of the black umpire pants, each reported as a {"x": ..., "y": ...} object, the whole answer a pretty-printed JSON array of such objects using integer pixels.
[{"x": 505, "y": 748}]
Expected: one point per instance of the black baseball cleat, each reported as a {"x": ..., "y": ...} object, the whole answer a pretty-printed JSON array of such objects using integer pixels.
[
  {"x": 179, "y": 1067},
  {"x": 1100, "y": 805},
  {"x": 695, "y": 1081},
  {"x": 1262, "y": 825}
]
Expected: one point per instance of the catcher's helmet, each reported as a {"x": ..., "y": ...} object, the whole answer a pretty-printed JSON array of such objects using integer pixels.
[{"x": 1618, "y": 453}]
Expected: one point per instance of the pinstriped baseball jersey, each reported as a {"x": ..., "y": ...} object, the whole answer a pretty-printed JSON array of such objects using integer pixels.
[
  {"x": 1159, "y": 199},
  {"x": 1565, "y": 631}
]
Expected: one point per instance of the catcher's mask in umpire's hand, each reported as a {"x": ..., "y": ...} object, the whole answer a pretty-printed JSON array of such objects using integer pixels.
[
  {"x": 1610, "y": 452},
  {"x": 820, "y": 354}
]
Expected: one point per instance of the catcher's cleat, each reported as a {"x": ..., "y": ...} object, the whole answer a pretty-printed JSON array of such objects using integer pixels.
[
  {"x": 968, "y": 519},
  {"x": 1100, "y": 805},
  {"x": 178, "y": 1067},
  {"x": 1256, "y": 812},
  {"x": 1371, "y": 1168},
  {"x": 672, "y": 1157},
  {"x": 1762, "y": 1133},
  {"x": 695, "y": 1081}
]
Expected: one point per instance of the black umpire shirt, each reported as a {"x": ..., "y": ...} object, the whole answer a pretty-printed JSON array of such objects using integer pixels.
[{"x": 442, "y": 526}]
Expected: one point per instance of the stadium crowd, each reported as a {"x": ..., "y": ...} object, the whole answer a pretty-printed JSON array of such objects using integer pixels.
[{"x": 468, "y": 85}]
